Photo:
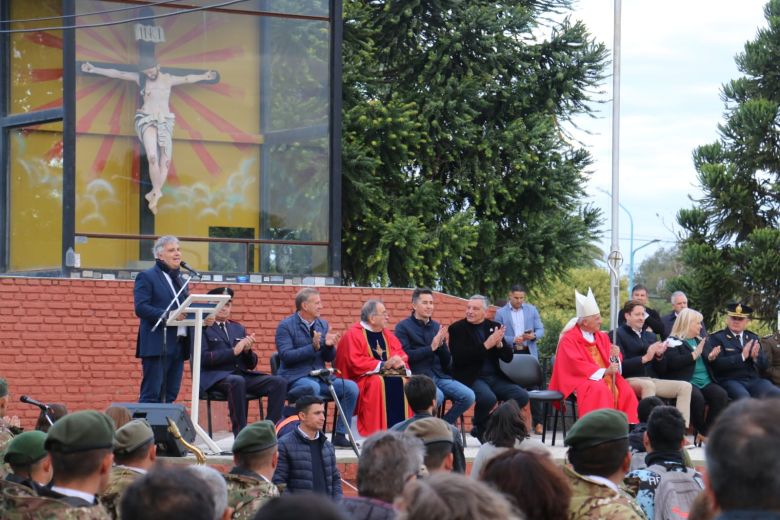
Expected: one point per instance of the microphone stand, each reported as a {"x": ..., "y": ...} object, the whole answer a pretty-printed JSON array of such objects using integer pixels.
[
  {"x": 327, "y": 378},
  {"x": 164, "y": 356}
]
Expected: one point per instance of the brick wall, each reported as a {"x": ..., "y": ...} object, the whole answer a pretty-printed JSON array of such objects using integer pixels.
[{"x": 73, "y": 341}]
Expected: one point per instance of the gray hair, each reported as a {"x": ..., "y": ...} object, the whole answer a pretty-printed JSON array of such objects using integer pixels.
[
  {"x": 674, "y": 295},
  {"x": 485, "y": 301},
  {"x": 386, "y": 462},
  {"x": 369, "y": 309},
  {"x": 161, "y": 242},
  {"x": 217, "y": 487},
  {"x": 303, "y": 295},
  {"x": 455, "y": 497}
]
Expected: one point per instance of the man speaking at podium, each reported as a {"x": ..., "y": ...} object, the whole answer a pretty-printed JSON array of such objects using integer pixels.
[{"x": 154, "y": 289}]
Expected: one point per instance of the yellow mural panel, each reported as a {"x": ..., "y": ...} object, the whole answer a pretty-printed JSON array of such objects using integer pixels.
[
  {"x": 35, "y": 185},
  {"x": 35, "y": 57}
]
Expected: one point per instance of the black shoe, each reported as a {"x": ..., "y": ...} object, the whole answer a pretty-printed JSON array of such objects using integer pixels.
[{"x": 340, "y": 441}]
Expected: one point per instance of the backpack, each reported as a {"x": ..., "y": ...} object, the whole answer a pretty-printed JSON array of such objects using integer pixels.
[{"x": 675, "y": 493}]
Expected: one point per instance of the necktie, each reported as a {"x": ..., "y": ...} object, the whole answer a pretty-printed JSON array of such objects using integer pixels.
[
  {"x": 739, "y": 338},
  {"x": 223, "y": 326}
]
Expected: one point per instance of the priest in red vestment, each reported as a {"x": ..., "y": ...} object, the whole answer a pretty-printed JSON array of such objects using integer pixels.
[
  {"x": 368, "y": 353},
  {"x": 588, "y": 365}
]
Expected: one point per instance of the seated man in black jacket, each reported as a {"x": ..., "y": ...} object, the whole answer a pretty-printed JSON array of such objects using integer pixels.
[
  {"x": 641, "y": 354},
  {"x": 425, "y": 342},
  {"x": 477, "y": 344}
]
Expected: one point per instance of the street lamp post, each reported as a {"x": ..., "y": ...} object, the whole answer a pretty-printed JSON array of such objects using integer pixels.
[{"x": 631, "y": 261}]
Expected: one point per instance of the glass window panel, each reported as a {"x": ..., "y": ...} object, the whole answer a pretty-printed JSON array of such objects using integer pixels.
[
  {"x": 297, "y": 74},
  {"x": 35, "y": 57},
  {"x": 35, "y": 195}
]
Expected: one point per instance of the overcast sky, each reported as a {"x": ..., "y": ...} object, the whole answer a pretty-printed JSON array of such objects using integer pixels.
[{"x": 675, "y": 56}]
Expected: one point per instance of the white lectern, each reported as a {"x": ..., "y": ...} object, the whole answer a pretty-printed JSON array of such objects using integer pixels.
[{"x": 192, "y": 312}]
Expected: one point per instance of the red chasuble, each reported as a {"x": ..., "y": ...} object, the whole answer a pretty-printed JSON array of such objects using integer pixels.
[
  {"x": 381, "y": 402},
  {"x": 576, "y": 360}
]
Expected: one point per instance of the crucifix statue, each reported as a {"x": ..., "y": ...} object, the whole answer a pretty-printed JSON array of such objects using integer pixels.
[{"x": 153, "y": 120}]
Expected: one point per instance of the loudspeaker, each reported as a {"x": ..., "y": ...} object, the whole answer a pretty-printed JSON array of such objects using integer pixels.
[{"x": 156, "y": 414}]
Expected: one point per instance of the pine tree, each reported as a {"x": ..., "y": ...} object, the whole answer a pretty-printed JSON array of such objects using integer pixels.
[
  {"x": 457, "y": 173},
  {"x": 731, "y": 239}
]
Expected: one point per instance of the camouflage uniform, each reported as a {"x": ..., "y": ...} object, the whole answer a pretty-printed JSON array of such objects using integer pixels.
[
  {"x": 595, "y": 501},
  {"x": 246, "y": 494},
  {"x": 21, "y": 503},
  {"x": 5, "y": 438},
  {"x": 121, "y": 477}
]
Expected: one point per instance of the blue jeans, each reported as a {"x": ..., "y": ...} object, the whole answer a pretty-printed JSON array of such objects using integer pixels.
[
  {"x": 752, "y": 387},
  {"x": 462, "y": 397},
  {"x": 346, "y": 390}
]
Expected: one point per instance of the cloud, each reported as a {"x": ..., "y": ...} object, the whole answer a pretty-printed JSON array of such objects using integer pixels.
[{"x": 675, "y": 55}]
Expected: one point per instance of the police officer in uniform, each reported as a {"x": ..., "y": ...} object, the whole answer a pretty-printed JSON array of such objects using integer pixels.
[
  {"x": 228, "y": 363},
  {"x": 736, "y": 357}
]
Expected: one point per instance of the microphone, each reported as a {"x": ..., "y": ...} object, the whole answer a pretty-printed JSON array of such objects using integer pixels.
[
  {"x": 30, "y": 400},
  {"x": 323, "y": 372},
  {"x": 190, "y": 269}
]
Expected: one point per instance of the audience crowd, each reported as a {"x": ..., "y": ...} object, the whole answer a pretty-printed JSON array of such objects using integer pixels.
[{"x": 642, "y": 391}]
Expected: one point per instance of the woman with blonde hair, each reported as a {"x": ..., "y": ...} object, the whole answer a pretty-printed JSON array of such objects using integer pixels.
[{"x": 683, "y": 361}]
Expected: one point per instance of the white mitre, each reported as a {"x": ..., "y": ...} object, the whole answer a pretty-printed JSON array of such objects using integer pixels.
[{"x": 586, "y": 305}]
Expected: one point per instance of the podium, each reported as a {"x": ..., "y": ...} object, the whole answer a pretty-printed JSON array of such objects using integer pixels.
[{"x": 191, "y": 314}]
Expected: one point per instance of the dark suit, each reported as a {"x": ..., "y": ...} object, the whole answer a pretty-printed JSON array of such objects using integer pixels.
[
  {"x": 152, "y": 294},
  {"x": 234, "y": 375},
  {"x": 740, "y": 378},
  {"x": 477, "y": 367},
  {"x": 652, "y": 322}
]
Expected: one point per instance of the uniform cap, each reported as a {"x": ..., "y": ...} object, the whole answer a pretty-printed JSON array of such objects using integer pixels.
[
  {"x": 738, "y": 310},
  {"x": 430, "y": 430},
  {"x": 257, "y": 436},
  {"x": 597, "y": 427},
  {"x": 26, "y": 448},
  {"x": 81, "y": 431},
  {"x": 133, "y": 435},
  {"x": 222, "y": 290}
]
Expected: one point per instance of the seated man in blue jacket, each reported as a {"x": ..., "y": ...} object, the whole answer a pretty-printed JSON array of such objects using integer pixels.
[
  {"x": 425, "y": 342},
  {"x": 228, "y": 363},
  {"x": 305, "y": 344}
]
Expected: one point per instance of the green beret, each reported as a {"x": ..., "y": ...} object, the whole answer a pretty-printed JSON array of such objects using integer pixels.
[
  {"x": 81, "y": 431},
  {"x": 430, "y": 430},
  {"x": 26, "y": 448},
  {"x": 133, "y": 435},
  {"x": 3, "y": 387},
  {"x": 257, "y": 436},
  {"x": 597, "y": 427}
]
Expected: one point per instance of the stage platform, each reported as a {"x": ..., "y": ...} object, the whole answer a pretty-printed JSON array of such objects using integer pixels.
[{"x": 347, "y": 459}]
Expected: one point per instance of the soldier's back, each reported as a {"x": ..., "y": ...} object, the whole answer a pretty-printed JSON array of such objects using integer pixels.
[
  {"x": 21, "y": 503},
  {"x": 120, "y": 479},
  {"x": 594, "y": 501},
  {"x": 246, "y": 494}
]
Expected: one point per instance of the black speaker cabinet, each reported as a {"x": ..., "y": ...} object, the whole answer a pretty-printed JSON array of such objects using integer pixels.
[{"x": 156, "y": 414}]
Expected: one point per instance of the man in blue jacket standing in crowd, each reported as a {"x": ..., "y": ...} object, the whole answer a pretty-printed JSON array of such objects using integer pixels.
[{"x": 425, "y": 342}]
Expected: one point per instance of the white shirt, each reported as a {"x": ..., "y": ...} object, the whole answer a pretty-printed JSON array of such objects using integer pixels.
[
  {"x": 518, "y": 320},
  {"x": 604, "y": 481},
  {"x": 74, "y": 493}
]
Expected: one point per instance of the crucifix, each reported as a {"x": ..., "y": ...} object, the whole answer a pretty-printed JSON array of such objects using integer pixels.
[{"x": 154, "y": 120}]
